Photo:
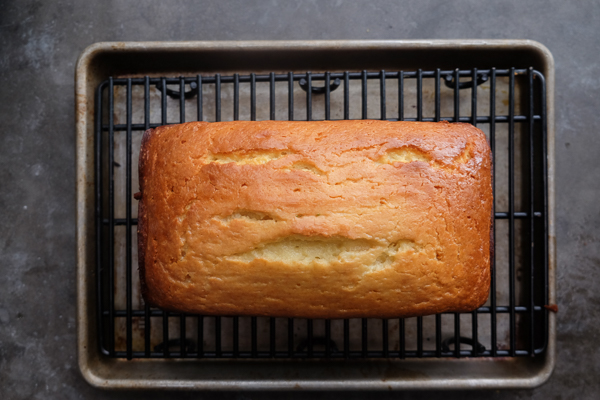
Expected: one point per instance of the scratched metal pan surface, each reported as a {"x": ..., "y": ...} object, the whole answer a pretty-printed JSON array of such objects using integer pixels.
[{"x": 173, "y": 59}]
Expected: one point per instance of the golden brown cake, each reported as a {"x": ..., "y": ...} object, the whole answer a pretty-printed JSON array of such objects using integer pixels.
[{"x": 329, "y": 219}]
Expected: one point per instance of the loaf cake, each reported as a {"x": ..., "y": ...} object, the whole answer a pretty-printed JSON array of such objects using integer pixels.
[{"x": 324, "y": 219}]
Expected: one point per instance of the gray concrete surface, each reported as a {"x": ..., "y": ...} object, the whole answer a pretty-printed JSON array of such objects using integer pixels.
[{"x": 39, "y": 45}]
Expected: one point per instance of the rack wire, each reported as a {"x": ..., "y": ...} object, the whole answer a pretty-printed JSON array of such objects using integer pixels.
[{"x": 514, "y": 321}]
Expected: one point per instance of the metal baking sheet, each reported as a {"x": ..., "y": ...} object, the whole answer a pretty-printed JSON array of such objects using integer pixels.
[{"x": 109, "y": 58}]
